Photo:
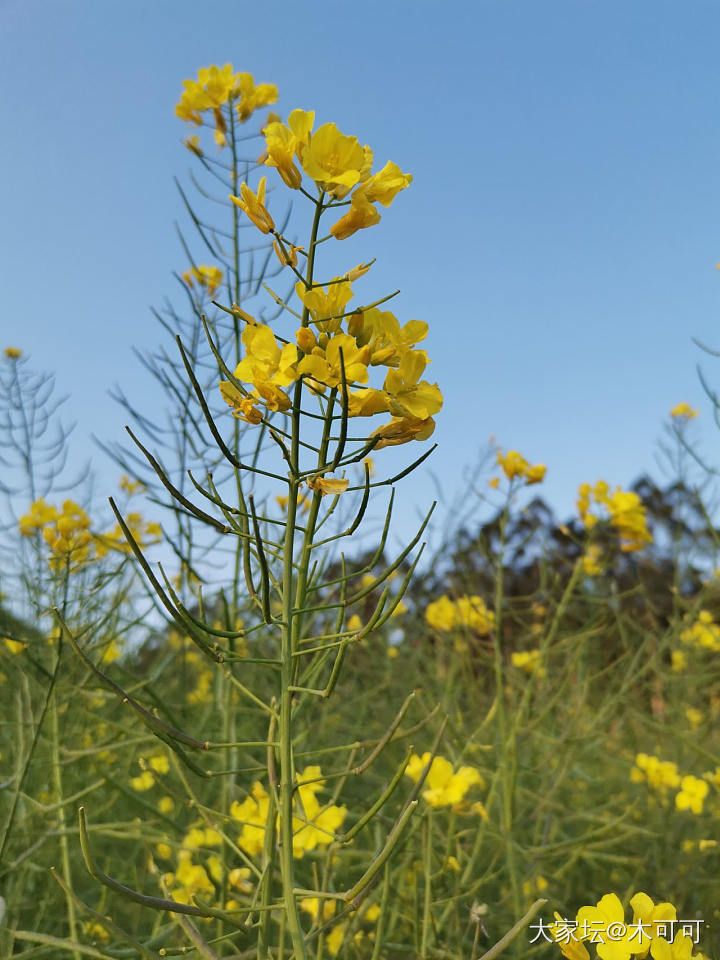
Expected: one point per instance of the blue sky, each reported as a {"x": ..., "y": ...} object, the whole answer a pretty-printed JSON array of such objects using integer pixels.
[{"x": 560, "y": 236}]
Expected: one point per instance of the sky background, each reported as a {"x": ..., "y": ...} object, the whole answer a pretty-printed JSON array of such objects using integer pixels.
[{"x": 560, "y": 236}]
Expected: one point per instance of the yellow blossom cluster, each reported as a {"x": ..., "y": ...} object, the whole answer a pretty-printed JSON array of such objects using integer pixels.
[
  {"x": 217, "y": 86},
  {"x": 692, "y": 794},
  {"x": 66, "y": 532},
  {"x": 625, "y": 510},
  {"x": 13, "y": 353},
  {"x": 513, "y": 465},
  {"x": 663, "y": 776},
  {"x": 131, "y": 487},
  {"x": 529, "y": 661},
  {"x": 467, "y": 611},
  {"x": 660, "y": 774},
  {"x": 332, "y": 356},
  {"x": 605, "y": 926},
  {"x": 323, "y": 910},
  {"x": 340, "y": 166},
  {"x": 683, "y": 411},
  {"x": 703, "y": 632},
  {"x": 314, "y": 825},
  {"x": 444, "y": 786},
  {"x": 145, "y": 781},
  {"x": 206, "y": 277}
]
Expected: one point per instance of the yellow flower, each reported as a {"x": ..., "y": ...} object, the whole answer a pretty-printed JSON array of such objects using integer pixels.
[
  {"x": 197, "y": 838},
  {"x": 286, "y": 254},
  {"x": 529, "y": 661},
  {"x": 383, "y": 186},
  {"x": 40, "y": 514},
  {"x": 159, "y": 763},
  {"x": 703, "y": 633},
  {"x": 243, "y": 407},
  {"x": 142, "y": 783},
  {"x": 444, "y": 786},
  {"x": 361, "y": 214},
  {"x": 334, "y": 939},
  {"x": 683, "y": 411},
  {"x": 692, "y": 794},
  {"x": 253, "y": 205},
  {"x": 283, "y": 144},
  {"x": 326, "y": 306},
  {"x": 515, "y": 465},
  {"x": 661, "y": 774},
  {"x": 472, "y": 613},
  {"x": 441, "y": 614},
  {"x": 252, "y": 97},
  {"x": 166, "y": 805},
  {"x": 565, "y": 934},
  {"x": 302, "y": 501},
  {"x": 95, "y": 931},
  {"x": 466, "y": 611},
  {"x": 267, "y": 367},
  {"x": 14, "y": 646},
  {"x": 652, "y": 915},
  {"x": 694, "y": 717},
  {"x": 380, "y": 330},
  {"x": 408, "y": 396},
  {"x": 402, "y": 430},
  {"x": 239, "y": 878},
  {"x": 332, "y": 485},
  {"x": 208, "y": 277},
  {"x": 605, "y": 918},
  {"x": 13, "y": 353},
  {"x": 131, "y": 486},
  {"x": 335, "y": 161},
  {"x": 312, "y": 905},
  {"x": 625, "y": 509},
  {"x": 680, "y": 949},
  {"x": 324, "y": 367},
  {"x": 313, "y": 825},
  {"x": 212, "y": 89}
]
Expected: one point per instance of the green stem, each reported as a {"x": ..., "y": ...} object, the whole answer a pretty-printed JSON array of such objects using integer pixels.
[
  {"x": 289, "y": 638},
  {"x": 61, "y": 820}
]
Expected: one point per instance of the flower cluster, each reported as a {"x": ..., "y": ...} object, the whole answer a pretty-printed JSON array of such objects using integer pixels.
[
  {"x": 663, "y": 775},
  {"x": 340, "y": 166},
  {"x": 660, "y": 774},
  {"x": 314, "y": 825},
  {"x": 217, "y": 86},
  {"x": 67, "y": 532},
  {"x": 445, "y": 786},
  {"x": 625, "y": 510},
  {"x": 529, "y": 661},
  {"x": 145, "y": 780},
  {"x": 702, "y": 633},
  {"x": 683, "y": 411},
  {"x": 513, "y": 465},
  {"x": 206, "y": 277},
  {"x": 653, "y": 930},
  {"x": 467, "y": 611},
  {"x": 332, "y": 358}
]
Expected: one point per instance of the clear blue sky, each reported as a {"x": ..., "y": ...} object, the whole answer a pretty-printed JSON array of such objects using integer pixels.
[{"x": 560, "y": 236}]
